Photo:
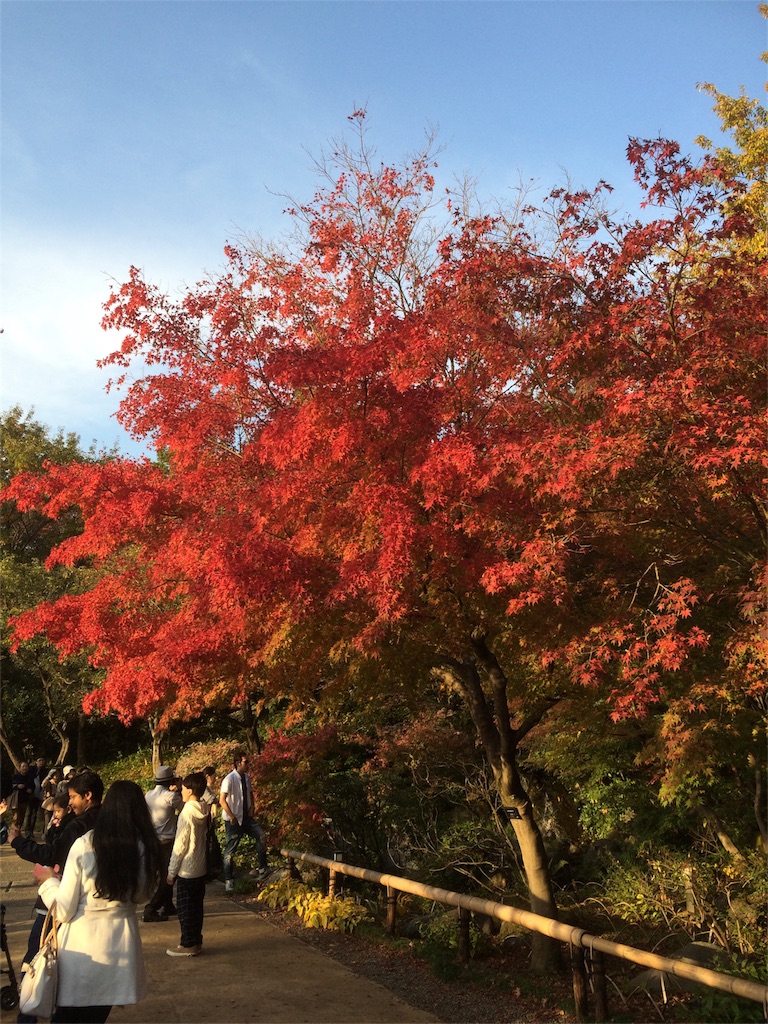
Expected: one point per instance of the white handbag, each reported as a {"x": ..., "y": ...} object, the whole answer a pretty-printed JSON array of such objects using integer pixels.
[{"x": 38, "y": 991}]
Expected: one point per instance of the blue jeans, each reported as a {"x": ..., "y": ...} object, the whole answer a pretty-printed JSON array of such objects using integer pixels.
[{"x": 233, "y": 835}]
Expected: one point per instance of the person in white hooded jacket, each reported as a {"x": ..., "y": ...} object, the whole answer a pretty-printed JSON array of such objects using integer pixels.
[{"x": 187, "y": 866}]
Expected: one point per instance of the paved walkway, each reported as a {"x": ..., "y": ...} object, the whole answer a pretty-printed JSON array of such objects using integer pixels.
[{"x": 251, "y": 971}]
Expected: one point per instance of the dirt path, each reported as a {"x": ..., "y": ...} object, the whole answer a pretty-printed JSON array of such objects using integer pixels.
[{"x": 251, "y": 971}]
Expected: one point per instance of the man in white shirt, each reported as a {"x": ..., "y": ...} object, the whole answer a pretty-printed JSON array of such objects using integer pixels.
[
  {"x": 164, "y": 802},
  {"x": 236, "y": 799}
]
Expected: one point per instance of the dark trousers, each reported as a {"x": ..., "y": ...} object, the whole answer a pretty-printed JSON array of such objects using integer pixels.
[
  {"x": 30, "y": 818},
  {"x": 233, "y": 834},
  {"x": 190, "y": 896},
  {"x": 162, "y": 899},
  {"x": 21, "y": 812},
  {"x": 80, "y": 1014}
]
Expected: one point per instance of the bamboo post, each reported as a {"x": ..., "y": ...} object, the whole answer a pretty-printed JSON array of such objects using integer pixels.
[
  {"x": 391, "y": 910},
  {"x": 580, "y": 1000},
  {"x": 331, "y": 883},
  {"x": 464, "y": 919},
  {"x": 597, "y": 965}
]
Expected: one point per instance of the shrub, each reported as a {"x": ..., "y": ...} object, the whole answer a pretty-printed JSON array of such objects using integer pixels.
[
  {"x": 718, "y": 897},
  {"x": 215, "y": 752},
  {"x": 316, "y": 910},
  {"x": 443, "y": 933},
  {"x": 136, "y": 768}
]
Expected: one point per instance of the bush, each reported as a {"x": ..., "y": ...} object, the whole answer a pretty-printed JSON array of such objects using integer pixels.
[
  {"x": 136, "y": 768},
  {"x": 443, "y": 933},
  {"x": 721, "y": 898},
  {"x": 214, "y": 752},
  {"x": 316, "y": 910}
]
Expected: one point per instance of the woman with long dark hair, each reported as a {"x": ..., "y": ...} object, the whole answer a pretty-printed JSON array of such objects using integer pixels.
[{"x": 108, "y": 872}]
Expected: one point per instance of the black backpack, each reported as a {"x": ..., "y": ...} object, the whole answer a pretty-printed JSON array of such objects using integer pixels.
[{"x": 214, "y": 862}]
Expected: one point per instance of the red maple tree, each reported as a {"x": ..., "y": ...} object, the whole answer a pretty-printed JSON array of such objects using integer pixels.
[{"x": 535, "y": 464}]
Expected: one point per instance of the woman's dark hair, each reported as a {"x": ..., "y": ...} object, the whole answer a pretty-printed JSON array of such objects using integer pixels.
[
  {"x": 209, "y": 770},
  {"x": 125, "y": 842},
  {"x": 196, "y": 782}
]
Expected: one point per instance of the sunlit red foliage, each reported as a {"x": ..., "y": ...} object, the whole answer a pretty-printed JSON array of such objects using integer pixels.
[{"x": 558, "y": 445}]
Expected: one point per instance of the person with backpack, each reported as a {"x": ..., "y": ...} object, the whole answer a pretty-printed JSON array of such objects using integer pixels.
[{"x": 187, "y": 867}]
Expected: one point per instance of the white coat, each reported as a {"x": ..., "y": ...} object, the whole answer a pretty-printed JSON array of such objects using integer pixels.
[
  {"x": 101, "y": 962},
  {"x": 188, "y": 858}
]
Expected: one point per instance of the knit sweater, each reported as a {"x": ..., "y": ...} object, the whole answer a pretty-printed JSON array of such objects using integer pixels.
[{"x": 188, "y": 856}]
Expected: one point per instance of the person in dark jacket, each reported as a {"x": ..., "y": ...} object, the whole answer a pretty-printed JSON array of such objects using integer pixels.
[
  {"x": 40, "y": 769},
  {"x": 23, "y": 790},
  {"x": 61, "y": 815},
  {"x": 85, "y": 793}
]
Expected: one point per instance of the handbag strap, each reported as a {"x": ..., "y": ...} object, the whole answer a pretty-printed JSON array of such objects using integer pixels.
[{"x": 50, "y": 930}]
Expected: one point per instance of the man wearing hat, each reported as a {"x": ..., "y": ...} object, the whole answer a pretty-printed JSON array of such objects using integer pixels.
[{"x": 164, "y": 802}]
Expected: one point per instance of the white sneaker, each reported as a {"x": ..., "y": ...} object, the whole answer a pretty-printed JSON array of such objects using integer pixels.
[{"x": 229, "y": 885}]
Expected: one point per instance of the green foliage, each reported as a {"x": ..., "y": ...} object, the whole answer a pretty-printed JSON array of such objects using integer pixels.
[
  {"x": 611, "y": 805},
  {"x": 27, "y": 538},
  {"x": 316, "y": 910},
  {"x": 135, "y": 767},
  {"x": 244, "y": 884},
  {"x": 721, "y": 897},
  {"x": 443, "y": 932},
  {"x": 713, "y": 1005},
  {"x": 278, "y": 894}
]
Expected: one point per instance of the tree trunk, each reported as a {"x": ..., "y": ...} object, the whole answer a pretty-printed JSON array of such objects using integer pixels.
[
  {"x": 759, "y": 803},
  {"x": 63, "y": 747},
  {"x": 500, "y": 743},
  {"x": 157, "y": 735},
  {"x": 250, "y": 727},
  {"x": 82, "y": 746},
  {"x": 58, "y": 724},
  {"x": 545, "y": 952},
  {"x": 5, "y": 740}
]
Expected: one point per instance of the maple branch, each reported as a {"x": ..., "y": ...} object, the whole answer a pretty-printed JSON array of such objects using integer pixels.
[
  {"x": 498, "y": 682},
  {"x": 463, "y": 678},
  {"x": 534, "y": 718},
  {"x": 758, "y": 511},
  {"x": 759, "y": 802}
]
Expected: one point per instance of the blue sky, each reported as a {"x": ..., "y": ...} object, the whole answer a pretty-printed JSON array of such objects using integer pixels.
[{"x": 150, "y": 133}]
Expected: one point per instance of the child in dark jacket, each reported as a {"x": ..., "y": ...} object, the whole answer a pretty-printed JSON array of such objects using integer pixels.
[{"x": 62, "y": 813}]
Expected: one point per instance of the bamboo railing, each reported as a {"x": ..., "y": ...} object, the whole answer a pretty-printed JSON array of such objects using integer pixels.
[{"x": 578, "y": 939}]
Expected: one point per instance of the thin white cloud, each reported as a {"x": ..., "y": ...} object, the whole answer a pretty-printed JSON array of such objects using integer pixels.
[{"x": 53, "y": 296}]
